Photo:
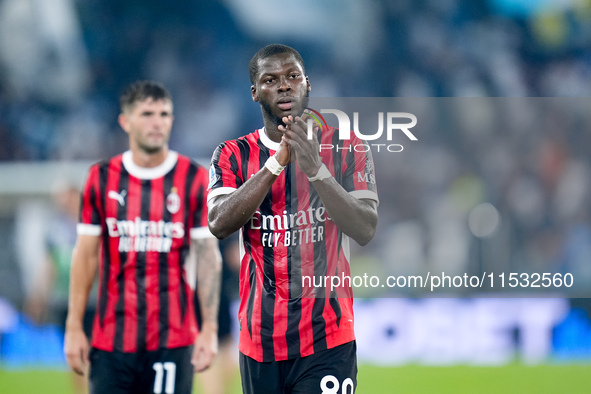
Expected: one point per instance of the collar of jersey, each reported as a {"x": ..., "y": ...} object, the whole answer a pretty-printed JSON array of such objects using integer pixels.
[
  {"x": 150, "y": 173},
  {"x": 268, "y": 142}
]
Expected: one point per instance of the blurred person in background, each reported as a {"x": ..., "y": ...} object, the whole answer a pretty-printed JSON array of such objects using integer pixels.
[
  {"x": 142, "y": 212},
  {"x": 219, "y": 378},
  {"x": 48, "y": 299}
]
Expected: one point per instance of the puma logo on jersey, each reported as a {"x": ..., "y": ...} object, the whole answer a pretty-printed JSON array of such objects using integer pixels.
[{"x": 120, "y": 197}]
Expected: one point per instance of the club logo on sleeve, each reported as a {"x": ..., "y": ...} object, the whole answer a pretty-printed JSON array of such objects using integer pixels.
[
  {"x": 119, "y": 197},
  {"x": 173, "y": 201},
  {"x": 368, "y": 166},
  {"x": 367, "y": 176},
  {"x": 213, "y": 178}
]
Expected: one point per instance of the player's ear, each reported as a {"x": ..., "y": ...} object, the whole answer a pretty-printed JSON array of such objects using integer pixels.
[
  {"x": 253, "y": 92},
  {"x": 123, "y": 122},
  {"x": 308, "y": 83}
]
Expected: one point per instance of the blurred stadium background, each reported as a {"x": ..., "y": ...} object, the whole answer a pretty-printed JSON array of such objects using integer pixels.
[{"x": 63, "y": 64}]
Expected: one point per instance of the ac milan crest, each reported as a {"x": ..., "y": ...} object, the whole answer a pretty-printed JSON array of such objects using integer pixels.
[{"x": 173, "y": 201}]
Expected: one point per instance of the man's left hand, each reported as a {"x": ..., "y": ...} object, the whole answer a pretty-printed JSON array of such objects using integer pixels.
[{"x": 206, "y": 348}]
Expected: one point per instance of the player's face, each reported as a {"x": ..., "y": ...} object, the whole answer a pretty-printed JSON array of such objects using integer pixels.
[
  {"x": 281, "y": 87},
  {"x": 148, "y": 124}
]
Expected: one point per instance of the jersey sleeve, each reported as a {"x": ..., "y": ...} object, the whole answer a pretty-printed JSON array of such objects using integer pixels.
[
  {"x": 199, "y": 228},
  {"x": 224, "y": 173},
  {"x": 89, "y": 220},
  {"x": 359, "y": 172}
]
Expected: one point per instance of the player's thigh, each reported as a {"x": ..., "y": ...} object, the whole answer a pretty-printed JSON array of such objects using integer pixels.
[
  {"x": 168, "y": 371},
  {"x": 261, "y": 377},
  {"x": 111, "y": 372},
  {"x": 332, "y": 371}
]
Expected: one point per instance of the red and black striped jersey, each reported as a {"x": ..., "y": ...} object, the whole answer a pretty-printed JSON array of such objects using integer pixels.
[
  {"x": 146, "y": 218},
  {"x": 290, "y": 237}
]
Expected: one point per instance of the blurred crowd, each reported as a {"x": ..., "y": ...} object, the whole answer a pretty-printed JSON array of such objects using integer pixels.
[
  {"x": 63, "y": 67},
  {"x": 492, "y": 185}
]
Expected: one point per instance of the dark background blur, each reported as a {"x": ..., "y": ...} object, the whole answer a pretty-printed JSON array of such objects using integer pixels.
[{"x": 63, "y": 64}]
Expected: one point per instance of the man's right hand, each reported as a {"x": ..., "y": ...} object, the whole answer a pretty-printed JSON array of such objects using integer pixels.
[
  {"x": 76, "y": 350},
  {"x": 283, "y": 154}
]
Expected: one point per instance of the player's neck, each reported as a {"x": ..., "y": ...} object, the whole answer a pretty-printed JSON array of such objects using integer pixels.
[
  {"x": 273, "y": 133},
  {"x": 145, "y": 159},
  {"x": 271, "y": 127}
]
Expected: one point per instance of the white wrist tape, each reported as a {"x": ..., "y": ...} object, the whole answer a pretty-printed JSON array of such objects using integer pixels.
[
  {"x": 322, "y": 173},
  {"x": 273, "y": 165}
]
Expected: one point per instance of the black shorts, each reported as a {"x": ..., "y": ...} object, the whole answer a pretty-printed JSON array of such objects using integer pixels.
[
  {"x": 164, "y": 371},
  {"x": 331, "y": 371}
]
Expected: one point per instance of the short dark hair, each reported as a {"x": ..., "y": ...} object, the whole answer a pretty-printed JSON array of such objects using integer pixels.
[
  {"x": 140, "y": 91},
  {"x": 268, "y": 51}
]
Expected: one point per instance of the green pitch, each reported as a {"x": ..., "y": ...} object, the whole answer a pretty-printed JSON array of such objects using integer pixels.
[{"x": 514, "y": 378}]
